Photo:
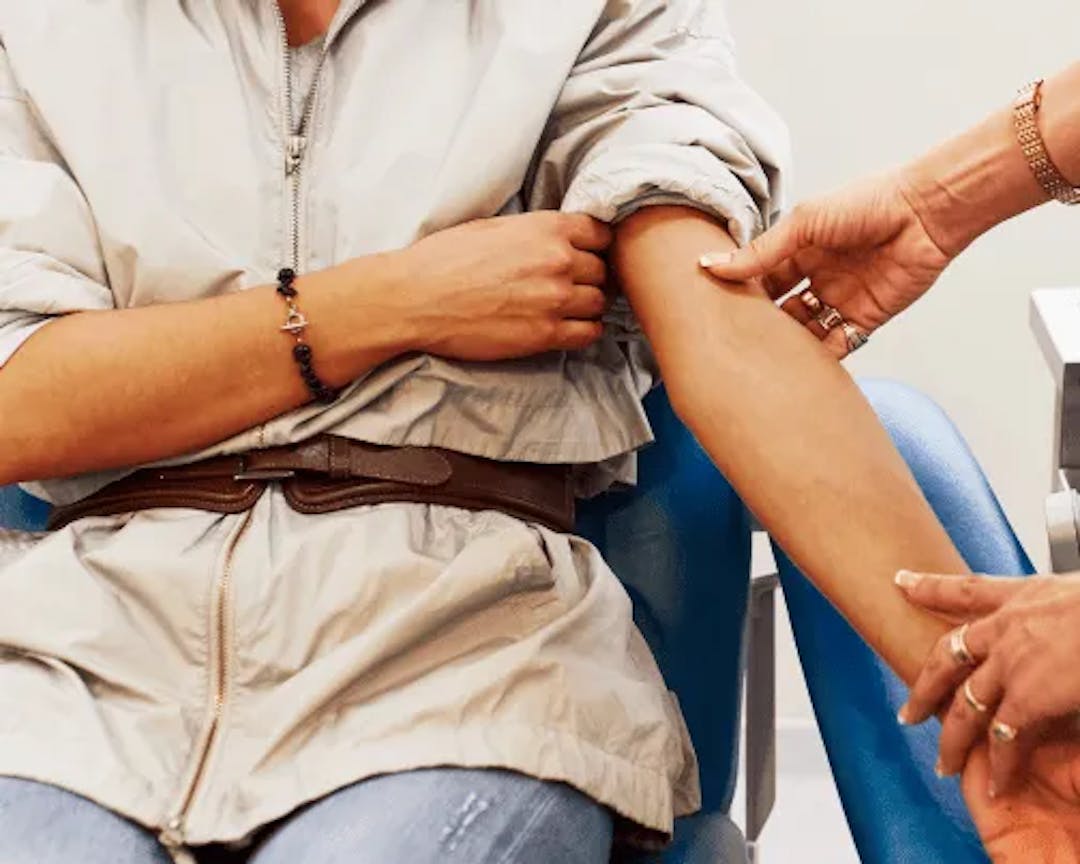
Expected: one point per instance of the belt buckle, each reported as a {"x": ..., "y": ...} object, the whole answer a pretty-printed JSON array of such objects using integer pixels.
[{"x": 263, "y": 474}]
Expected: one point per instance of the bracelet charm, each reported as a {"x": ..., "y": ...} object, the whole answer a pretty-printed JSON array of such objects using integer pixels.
[{"x": 295, "y": 325}]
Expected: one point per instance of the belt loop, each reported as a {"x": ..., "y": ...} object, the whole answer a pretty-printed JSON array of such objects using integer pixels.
[{"x": 340, "y": 463}]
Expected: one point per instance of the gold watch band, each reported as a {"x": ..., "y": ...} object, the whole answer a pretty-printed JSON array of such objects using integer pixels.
[{"x": 1025, "y": 113}]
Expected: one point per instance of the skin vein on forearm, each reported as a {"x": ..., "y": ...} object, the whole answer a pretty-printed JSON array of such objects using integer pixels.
[{"x": 981, "y": 178}]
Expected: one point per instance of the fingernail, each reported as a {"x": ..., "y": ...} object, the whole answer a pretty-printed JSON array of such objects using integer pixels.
[
  {"x": 992, "y": 791},
  {"x": 907, "y": 579},
  {"x": 712, "y": 258},
  {"x": 939, "y": 769},
  {"x": 901, "y": 716}
]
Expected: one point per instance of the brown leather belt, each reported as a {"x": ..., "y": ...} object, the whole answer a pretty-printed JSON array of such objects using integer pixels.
[{"x": 330, "y": 473}]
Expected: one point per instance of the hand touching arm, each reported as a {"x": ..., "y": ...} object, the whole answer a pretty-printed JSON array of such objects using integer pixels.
[{"x": 875, "y": 247}]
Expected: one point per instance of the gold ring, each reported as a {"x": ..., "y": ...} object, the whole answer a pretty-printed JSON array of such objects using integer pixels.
[
  {"x": 958, "y": 646},
  {"x": 812, "y": 302},
  {"x": 1003, "y": 732},
  {"x": 973, "y": 700}
]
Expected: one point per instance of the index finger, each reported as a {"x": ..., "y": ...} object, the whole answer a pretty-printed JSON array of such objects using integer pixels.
[
  {"x": 586, "y": 233},
  {"x": 960, "y": 596},
  {"x": 760, "y": 256}
]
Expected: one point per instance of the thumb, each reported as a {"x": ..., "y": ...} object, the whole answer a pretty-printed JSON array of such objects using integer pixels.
[{"x": 763, "y": 254}]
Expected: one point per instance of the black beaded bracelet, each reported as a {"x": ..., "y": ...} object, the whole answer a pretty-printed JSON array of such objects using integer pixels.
[{"x": 295, "y": 325}]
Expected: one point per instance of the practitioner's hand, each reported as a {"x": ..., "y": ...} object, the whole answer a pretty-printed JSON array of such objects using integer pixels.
[
  {"x": 1023, "y": 641},
  {"x": 865, "y": 249},
  {"x": 1037, "y": 821}
]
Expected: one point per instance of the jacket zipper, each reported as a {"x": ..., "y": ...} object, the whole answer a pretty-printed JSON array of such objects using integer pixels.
[
  {"x": 295, "y": 132},
  {"x": 172, "y": 836},
  {"x": 296, "y": 136}
]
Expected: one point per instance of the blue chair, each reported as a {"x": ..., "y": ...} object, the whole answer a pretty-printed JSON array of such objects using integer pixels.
[{"x": 681, "y": 544}]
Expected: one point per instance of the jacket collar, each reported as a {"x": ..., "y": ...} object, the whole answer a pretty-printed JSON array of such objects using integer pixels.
[{"x": 345, "y": 13}]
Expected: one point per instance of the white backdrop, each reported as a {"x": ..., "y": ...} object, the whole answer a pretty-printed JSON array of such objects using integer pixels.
[{"x": 864, "y": 85}]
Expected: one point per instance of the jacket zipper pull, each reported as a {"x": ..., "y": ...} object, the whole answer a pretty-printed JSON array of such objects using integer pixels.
[
  {"x": 294, "y": 153},
  {"x": 172, "y": 838}
]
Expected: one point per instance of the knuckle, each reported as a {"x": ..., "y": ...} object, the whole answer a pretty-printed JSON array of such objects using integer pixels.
[
  {"x": 937, "y": 659},
  {"x": 958, "y": 708},
  {"x": 924, "y": 589},
  {"x": 1029, "y": 632},
  {"x": 968, "y": 589},
  {"x": 1021, "y": 639},
  {"x": 561, "y": 294},
  {"x": 1006, "y": 617},
  {"x": 583, "y": 333},
  {"x": 547, "y": 331},
  {"x": 566, "y": 224},
  {"x": 558, "y": 259}
]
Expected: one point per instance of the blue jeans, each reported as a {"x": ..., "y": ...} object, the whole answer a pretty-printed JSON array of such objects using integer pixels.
[{"x": 443, "y": 815}]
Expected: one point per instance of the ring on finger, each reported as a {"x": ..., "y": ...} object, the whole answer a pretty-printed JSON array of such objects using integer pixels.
[
  {"x": 972, "y": 700},
  {"x": 812, "y": 302},
  {"x": 958, "y": 646},
  {"x": 855, "y": 337},
  {"x": 829, "y": 319},
  {"x": 1003, "y": 732}
]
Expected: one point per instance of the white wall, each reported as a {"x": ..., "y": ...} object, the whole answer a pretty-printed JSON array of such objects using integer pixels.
[{"x": 864, "y": 85}]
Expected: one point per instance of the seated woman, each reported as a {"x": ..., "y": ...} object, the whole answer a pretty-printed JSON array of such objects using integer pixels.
[{"x": 353, "y": 584}]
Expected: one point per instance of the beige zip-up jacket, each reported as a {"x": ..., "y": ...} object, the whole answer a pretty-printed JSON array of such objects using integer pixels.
[{"x": 206, "y": 674}]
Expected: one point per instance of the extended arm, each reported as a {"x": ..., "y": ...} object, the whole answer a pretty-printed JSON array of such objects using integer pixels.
[{"x": 789, "y": 429}]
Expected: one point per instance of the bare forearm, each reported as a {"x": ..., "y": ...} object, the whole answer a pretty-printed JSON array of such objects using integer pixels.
[
  {"x": 789, "y": 429},
  {"x": 980, "y": 178},
  {"x": 98, "y": 390}
]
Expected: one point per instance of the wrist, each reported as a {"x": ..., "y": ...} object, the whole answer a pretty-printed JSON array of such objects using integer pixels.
[
  {"x": 406, "y": 276},
  {"x": 356, "y": 321},
  {"x": 966, "y": 186},
  {"x": 1059, "y": 122}
]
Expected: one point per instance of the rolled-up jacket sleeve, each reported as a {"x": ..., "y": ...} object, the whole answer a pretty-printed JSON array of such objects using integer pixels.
[
  {"x": 50, "y": 256},
  {"x": 654, "y": 112}
]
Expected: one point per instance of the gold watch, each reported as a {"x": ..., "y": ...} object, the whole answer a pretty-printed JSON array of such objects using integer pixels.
[{"x": 1025, "y": 113}]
